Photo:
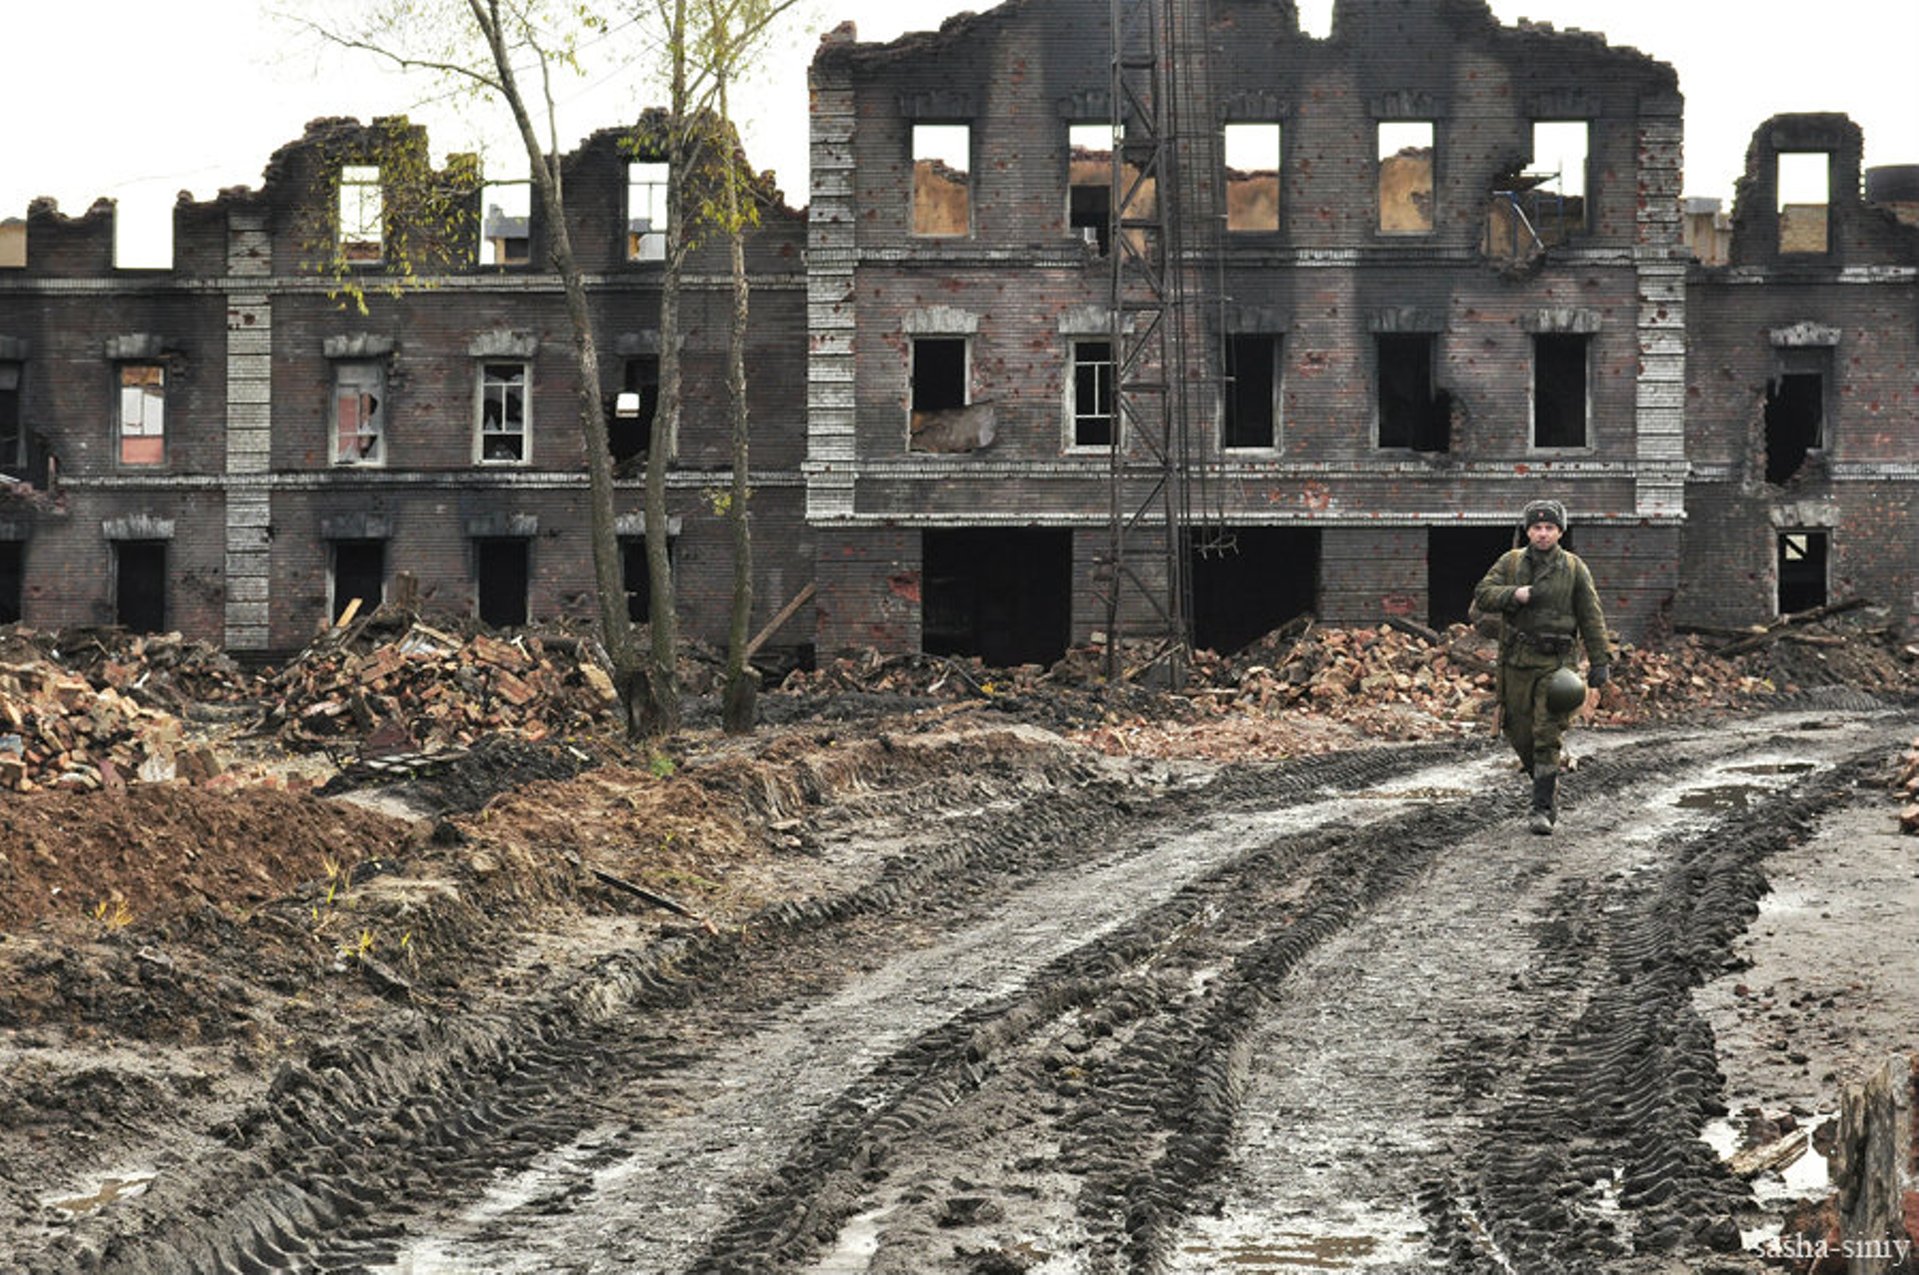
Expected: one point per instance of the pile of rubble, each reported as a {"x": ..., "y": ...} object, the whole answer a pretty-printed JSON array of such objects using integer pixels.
[
  {"x": 396, "y": 683},
  {"x": 1905, "y": 782},
  {"x": 58, "y": 730}
]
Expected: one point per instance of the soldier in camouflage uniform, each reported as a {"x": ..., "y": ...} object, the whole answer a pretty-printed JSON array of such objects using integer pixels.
[{"x": 1546, "y": 597}]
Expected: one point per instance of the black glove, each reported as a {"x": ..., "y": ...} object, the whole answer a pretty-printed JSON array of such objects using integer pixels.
[{"x": 1596, "y": 675}]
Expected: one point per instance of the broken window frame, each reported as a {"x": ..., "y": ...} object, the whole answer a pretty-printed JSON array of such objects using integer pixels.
[
  {"x": 361, "y": 209},
  {"x": 1091, "y": 407},
  {"x": 503, "y": 413},
  {"x": 1553, "y": 356},
  {"x": 928, "y": 147},
  {"x": 13, "y": 426},
  {"x": 1790, "y": 169},
  {"x": 364, "y": 411},
  {"x": 1231, "y": 427},
  {"x": 140, "y": 414},
  {"x": 1797, "y": 363},
  {"x": 1428, "y": 223},
  {"x": 648, "y": 184},
  {"x": 1247, "y": 132},
  {"x": 1090, "y": 219}
]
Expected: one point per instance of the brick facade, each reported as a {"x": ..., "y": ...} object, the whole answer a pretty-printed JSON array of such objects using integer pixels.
[{"x": 1746, "y": 437}]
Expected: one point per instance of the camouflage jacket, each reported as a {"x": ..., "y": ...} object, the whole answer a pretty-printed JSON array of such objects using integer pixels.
[{"x": 1564, "y": 606}]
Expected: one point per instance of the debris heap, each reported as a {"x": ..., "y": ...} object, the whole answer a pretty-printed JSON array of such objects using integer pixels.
[{"x": 57, "y": 730}]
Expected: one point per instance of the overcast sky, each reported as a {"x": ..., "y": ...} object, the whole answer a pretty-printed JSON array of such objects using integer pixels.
[{"x": 135, "y": 100}]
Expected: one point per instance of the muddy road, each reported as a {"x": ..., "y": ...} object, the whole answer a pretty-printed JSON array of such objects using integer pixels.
[{"x": 1336, "y": 1014}]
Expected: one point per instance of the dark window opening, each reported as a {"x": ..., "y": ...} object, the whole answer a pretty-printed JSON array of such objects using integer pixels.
[
  {"x": 359, "y": 574},
  {"x": 501, "y": 577},
  {"x": 140, "y": 585},
  {"x": 13, "y": 581},
  {"x": 1003, "y": 595},
  {"x": 13, "y": 434},
  {"x": 1252, "y": 391},
  {"x": 1457, "y": 558},
  {"x": 1089, "y": 184},
  {"x": 1248, "y": 581},
  {"x": 631, "y": 432},
  {"x": 1559, "y": 390},
  {"x": 1412, "y": 411},
  {"x": 939, "y": 373},
  {"x": 1802, "y": 570},
  {"x": 1795, "y": 422},
  {"x": 1092, "y": 393},
  {"x": 636, "y": 577}
]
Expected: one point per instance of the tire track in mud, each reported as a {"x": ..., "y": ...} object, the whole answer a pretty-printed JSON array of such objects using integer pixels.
[
  {"x": 1088, "y": 1103},
  {"x": 356, "y": 1140}
]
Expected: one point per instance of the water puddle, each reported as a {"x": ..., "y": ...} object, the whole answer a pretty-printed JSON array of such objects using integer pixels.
[
  {"x": 1719, "y": 797},
  {"x": 110, "y": 1191},
  {"x": 1287, "y": 1251}
]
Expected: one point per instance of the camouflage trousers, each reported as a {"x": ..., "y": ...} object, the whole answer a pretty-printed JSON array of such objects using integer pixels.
[{"x": 1533, "y": 731}]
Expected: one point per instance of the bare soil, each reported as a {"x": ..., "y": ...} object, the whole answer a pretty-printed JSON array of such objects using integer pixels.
[{"x": 186, "y": 968}]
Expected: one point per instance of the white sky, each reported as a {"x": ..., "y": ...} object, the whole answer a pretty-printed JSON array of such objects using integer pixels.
[{"x": 135, "y": 100}]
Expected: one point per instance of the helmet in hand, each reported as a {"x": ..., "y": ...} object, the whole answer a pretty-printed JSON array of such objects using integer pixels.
[{"x": 1565, "y": 691}]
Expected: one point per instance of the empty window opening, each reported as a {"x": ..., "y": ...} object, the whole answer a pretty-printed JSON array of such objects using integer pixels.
[
  {"x": 636, "y": 576},
  {"x": 13, "y": 430},
  {"x": 1795, "y": 422},
  {"x": 143, "y": 227},
  {"x": 359, "y": 413},
  {"x": 1559, "y": 389},
  {"x": 1554, "y": 189},
  {"x": 1252, "y": 177},
  {"x": 1805, "y": 196},
  {"x": 1457, "y": 558},
  {"x": 1413, "y": 412},
  {"x": 13, "y": 243},
  {"x": 634, "y": 406},
  {"x": 13, "y": 581},
  {"x": 359, "y": 575},
  {"x": 646, "y": 191},
  {"x": 500, "y": 578},
  {"x": 1406, "y": 176},
  {"x": 1092, "y": 393},
  {"x": 140, "y": 585},
  {"x": 1802, "y": 570},
  {"x": 503, "y": 412},
  {"x": 362, "y": 210},
  {"x": 1252, "y": 392},
  {"x": 1089, "y": 184},
  {"x": 143, "y": 413},
  {"x": 506, "y": 232},
  {"x": 1003, "y": 595},
  {"x": 942, "y": 166},
  {"x": 1248, "y": 581}
]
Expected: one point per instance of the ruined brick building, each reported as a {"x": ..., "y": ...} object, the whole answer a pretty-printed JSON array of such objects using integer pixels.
[{"x": 1411, "y": 276}]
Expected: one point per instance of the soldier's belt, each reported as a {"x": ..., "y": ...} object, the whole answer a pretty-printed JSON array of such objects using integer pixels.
[{"x": 1546, "y": 643}]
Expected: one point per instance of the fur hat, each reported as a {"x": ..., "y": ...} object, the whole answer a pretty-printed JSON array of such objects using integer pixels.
[{"x": 1544, "y": 511}]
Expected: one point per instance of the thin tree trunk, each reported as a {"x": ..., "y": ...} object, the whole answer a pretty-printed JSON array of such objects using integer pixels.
[{"x": 740, "y": 700}]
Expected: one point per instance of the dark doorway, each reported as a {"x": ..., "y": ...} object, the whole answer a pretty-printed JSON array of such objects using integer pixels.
[
  {"x": 636, "y": 577},
  {"x": 140, "y": 585},
  {"x": 359, "y": 571},
  {"x": 1457, "y": 558},
  {"x": 1004, "y": 595},
  {"x": 1802, "y": 570},
  {"x": 1413, "y": 412},
  {"x": 13, "y": 580},
  {"x": 501, "y": 576},
  {"x": 1795, "y": 422},
  {"x": 1247, "y": 581}
]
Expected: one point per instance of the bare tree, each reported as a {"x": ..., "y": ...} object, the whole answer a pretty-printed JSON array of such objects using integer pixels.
[{"x": 485, "y": 45}]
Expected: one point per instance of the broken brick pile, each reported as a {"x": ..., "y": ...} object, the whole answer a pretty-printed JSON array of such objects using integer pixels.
[
  {"x": 1905, "y": 782},
  {"x": 58, "y": 731},
  {"x": 406, "y": 685}
]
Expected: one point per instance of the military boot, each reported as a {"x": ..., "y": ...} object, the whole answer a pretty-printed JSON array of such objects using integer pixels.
[{"x": 1545, "y": 799}]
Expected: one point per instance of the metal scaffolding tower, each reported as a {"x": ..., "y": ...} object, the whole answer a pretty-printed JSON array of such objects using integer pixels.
[{"x": 1149, "y": 591}]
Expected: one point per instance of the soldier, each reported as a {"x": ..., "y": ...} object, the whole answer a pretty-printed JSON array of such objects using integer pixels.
[{"x": 1546, "y": 597}]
